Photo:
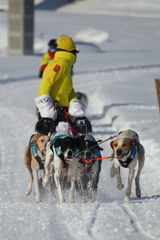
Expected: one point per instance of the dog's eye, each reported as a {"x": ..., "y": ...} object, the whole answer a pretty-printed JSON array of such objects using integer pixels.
[
  {"x": 123, "y": 145},
  {"x": 42, "y": 140},
  {"x": 115, "y": 145}
]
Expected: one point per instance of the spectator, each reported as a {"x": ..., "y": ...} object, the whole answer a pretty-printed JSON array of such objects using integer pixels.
[{"x": 48, "y": 56}]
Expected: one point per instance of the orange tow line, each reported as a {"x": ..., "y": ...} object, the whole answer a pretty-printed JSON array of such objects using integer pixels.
[{"x": 94, "y": 159}]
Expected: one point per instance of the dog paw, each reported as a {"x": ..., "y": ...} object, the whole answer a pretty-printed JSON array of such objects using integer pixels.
[
  {"x": 89, "y": 195},
  {"x": 120, "y": 186},
  {"x": 28, "y": 191},
  {"x": 45, "y": 183},
  {"x": 38, "y": 200},
  {"x": 70, "y": 200},
  {"x": 126, "y": 199},
  {"x": 138, "y": 194},
  {"x": 53, "y": 199},
  {"x": 84, "y": 200}
]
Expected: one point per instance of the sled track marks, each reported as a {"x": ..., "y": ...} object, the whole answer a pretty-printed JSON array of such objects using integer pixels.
[
  {"x": 93, "y": 220},
  {"x": 108, "y": 107},
  {"x": 119, "y": 69},
  {"x": 136, "y": 224},
  {"x": 17, "y": 79},
  {"x": 104, "y": 126}
]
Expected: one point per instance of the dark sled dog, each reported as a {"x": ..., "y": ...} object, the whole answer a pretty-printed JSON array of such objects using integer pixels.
[{"x": 88, "y": 151}]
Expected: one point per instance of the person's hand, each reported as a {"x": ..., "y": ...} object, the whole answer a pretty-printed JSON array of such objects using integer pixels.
[{"x": 45, "y": 105}]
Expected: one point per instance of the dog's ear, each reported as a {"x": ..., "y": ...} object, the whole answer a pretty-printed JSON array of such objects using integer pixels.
[
  {"x": 36, "y": 145},
  {"x": 131, "y": 142},
  {"x": 37, "y": 136},
  {"x": 111, "y": 144},
  {"x": 79, "y": 139},
  {"x": 114, "y": 144},
  {"x": 101, "y": 149},
  {"x": 57, "y": 143}
]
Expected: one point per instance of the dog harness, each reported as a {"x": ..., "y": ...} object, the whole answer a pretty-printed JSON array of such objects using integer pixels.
[
  {"x": 34, "y": 153},
  {"x": 132, "y": 155}
]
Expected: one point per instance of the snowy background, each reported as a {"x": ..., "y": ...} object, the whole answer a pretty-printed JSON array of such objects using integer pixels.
[{"x": 119, "y": 43}]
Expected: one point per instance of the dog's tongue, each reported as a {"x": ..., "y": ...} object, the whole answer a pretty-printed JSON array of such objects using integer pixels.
[
  {"x": 120, "y": 156},
  {"x": 69, "y": 159},
  {"x": 88, "y": 164}
]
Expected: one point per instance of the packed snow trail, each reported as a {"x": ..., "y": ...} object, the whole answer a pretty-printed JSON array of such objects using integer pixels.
[{"x": 93, "y": 220}]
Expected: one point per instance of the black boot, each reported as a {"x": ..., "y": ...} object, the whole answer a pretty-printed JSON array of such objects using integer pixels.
[{"x": 45, "y": 125}]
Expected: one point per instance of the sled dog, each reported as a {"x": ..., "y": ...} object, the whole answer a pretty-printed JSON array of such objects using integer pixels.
[
  {"x": 88, "y": 152},
  {"x": 34, "y": 156},
  {"x": 126, "y": 150}
]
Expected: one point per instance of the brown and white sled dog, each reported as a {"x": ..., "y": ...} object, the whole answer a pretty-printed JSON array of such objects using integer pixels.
[
  {"x": 60, "y": 154},
  {"x": 34, "y": 157},
  {"x": 126, "y": 150}
]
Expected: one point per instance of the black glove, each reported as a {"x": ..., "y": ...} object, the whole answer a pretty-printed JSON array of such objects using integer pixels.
[{"x": 45, "y": 125}]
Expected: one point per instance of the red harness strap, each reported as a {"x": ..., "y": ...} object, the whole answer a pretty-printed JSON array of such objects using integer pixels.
[
  {"x": 66, "y": 117},
  {"x": 64, "y": 171},
  {"x": 81, "y": 169}
]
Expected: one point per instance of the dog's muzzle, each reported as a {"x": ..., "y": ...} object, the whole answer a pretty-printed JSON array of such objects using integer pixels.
[
  {"x": 88, "y": 163},
  {"x": 43, "y": 152},
  {"x": 120, "y": 154},
  {"x": 69, "y": 157}
]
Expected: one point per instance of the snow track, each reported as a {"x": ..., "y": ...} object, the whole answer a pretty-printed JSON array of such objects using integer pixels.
[{"x": 134, "y": 219}]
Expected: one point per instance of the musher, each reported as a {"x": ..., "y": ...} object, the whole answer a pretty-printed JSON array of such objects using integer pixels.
[{"x": 56, "y": 88}]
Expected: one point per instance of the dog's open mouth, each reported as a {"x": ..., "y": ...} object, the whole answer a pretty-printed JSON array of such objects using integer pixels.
[
  {"x": 69, "y": 159},
  {"x": 120, "y": 156},
  {"x": 88, "y": 163}
]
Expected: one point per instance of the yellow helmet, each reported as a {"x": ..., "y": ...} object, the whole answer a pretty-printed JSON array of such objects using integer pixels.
[{"x": 66, "y": 43}]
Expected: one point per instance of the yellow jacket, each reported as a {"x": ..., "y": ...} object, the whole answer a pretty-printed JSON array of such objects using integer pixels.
[{"x": 57, "y": 80}]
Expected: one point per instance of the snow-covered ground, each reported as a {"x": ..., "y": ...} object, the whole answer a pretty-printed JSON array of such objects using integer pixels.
[{"x": 116, "y": 68}]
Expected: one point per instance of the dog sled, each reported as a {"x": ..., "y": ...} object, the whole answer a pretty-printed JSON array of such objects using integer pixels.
[{"x": 77, "y": 124}]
